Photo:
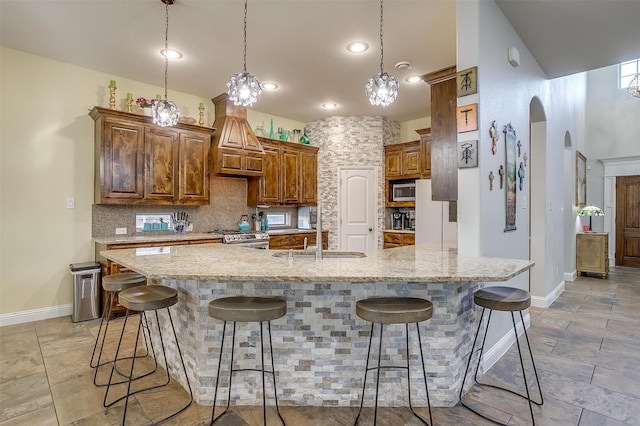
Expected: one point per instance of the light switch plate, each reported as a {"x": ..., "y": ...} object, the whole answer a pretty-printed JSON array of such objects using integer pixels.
[
  {"x": 121, "y": 231},
  {"x": 71, "y": 203}
]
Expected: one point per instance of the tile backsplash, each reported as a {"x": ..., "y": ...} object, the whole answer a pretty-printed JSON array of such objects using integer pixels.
[{"x": 228, "y": 202}]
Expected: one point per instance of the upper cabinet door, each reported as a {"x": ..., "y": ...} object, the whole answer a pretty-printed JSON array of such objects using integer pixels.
[
  {"x": 309, "y": 185},
  {"x": 194, "y": 168},
  {"x": 393, "y": 162},
  {"x": 122, "y": 162},
  {"x": 290, "y": 176},
  {"x": 161, "y": 163},
  {"x": 411, "y": 160}
]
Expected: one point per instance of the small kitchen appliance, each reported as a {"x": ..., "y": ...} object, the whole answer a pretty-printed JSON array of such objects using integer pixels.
[
  {"x": 397, "y": 221},
  {"x": 307, "y": 217},
  {"x": 403, "y": 192}
]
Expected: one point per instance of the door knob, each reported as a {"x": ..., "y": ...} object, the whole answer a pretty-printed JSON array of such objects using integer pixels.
[{"x": 370, "y": 229}]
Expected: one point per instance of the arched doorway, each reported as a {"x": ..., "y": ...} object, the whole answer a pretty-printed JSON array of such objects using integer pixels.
[{"x": 538, "y": 198}]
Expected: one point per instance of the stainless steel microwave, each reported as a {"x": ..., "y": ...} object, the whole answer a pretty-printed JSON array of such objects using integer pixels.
[{"x": 402, "y": 192}]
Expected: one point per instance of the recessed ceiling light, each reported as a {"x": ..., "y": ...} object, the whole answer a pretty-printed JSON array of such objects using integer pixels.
[
  {"x": 357, "y": 47},
  {"x": 171, "y": 53},
  {"x": 403, "y": 65},
  {"x": 413, "y": 79},
  {"x": 269, "y": 86},
  {"x": 329, "y": 105}
]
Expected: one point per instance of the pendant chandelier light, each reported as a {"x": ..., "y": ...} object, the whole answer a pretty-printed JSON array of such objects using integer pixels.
[
  {"x": 243, "y": 88},
  {"x": 634, "y": 86},
  {"x": 165, "y": 112},
  {"x": 382, "y": 89}
]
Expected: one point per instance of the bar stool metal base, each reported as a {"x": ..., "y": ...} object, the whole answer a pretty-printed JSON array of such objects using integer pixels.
[
  {"x": 150, "y": 298},
  {"x": 380, "y": 367},
  {"x": 247, "y": 309},
  {"x": 524, "y": 374},
  {"x": 98, "y": 346}
]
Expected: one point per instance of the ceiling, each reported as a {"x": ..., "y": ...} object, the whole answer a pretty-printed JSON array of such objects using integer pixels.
[{"x": 301, "y": 44}]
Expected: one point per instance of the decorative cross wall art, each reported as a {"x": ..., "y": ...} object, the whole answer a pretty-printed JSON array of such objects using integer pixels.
[
  {"x": 467, "y": 118},
  {"x": 511, "y": 177},
  {"x": 467, "y": 154},
  {"x": 495, "y": 136},
  {"x": 467, "y": 82}
]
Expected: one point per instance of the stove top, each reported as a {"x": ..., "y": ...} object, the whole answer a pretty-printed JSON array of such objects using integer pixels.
[{"x": 234, "y": 236}]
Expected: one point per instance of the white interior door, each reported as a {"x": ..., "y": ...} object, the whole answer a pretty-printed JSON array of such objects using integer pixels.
[{"x": 357, "y": 209}]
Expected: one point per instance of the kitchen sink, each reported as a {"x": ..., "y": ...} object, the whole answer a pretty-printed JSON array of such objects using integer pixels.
[{"x": 325, "y": 254}]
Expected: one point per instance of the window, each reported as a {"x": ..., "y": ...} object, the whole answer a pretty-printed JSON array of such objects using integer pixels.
[
  {"x": 628, "y": 70},
  {"x": 279, "y": 219},
  {"x": 153, "y": 222}
]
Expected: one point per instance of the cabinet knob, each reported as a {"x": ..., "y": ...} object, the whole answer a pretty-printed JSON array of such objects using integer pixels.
[{"x": 370, "y": 229}]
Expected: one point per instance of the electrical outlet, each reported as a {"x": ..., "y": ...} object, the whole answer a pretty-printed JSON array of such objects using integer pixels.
[
  {"x": 71, "y": 203},
  {"x": 121, "y": 231}
]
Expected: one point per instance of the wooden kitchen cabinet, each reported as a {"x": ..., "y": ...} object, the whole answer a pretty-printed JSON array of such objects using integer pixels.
[
  {"x": 398, "y": 239},
  {"x": 592, "y": 250},
  {"x": 295, "y": 241},
  {"x": 425, "y": 152},
  {"x": 444, "y": 134},
  {"x": 109, "y": 267},
  {"x": 402, "y": 161},
  {"x": 137, "y": 162},
  {"x": 290, "y": 178}
]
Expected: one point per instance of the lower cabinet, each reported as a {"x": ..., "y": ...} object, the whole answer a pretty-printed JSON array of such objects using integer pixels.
[
  {"x": 109, "y": 268},
  {"x": 592, "y": 252},
  {"x": 296, "y": 241},
  {"x": 398, "y": 239}
]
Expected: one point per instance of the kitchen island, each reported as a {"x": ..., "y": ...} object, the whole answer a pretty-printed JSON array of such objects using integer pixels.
[{"x": 320, "y": 345}]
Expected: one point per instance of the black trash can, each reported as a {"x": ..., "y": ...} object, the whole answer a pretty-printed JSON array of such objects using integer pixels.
[{"x": 86, "y": 291}]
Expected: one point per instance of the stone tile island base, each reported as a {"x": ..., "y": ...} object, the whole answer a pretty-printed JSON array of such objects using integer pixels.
[{"x": 320, "y": 346}]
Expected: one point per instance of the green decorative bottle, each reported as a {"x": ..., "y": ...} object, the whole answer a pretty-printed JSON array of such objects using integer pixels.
[
  {"x": 271, "y": 134},
  {"x": 304, "y": 138}
]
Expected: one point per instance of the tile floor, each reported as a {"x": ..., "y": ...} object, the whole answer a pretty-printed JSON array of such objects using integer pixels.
[{"x": 587, "y": 349}]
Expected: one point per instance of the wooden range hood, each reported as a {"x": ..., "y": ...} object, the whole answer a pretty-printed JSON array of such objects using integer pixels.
[{"x": 235, "y": 149}]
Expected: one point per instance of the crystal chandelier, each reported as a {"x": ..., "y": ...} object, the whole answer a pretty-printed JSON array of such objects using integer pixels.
[
  {"x": 382, "y": 89},
  {"x": 243, "y": 88},
  {"x": 165, "y": 112},
  {"x": 634, "y": 86}
]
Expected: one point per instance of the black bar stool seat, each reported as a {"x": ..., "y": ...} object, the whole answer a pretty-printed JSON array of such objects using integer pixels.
[
  {"x": 506, "y": 299},
  {"x": 112, "y": 284},
  {"x": 394, "y": 310},
  {"x": 247, "y": 309},
  {"x": 141, "y": 299}
]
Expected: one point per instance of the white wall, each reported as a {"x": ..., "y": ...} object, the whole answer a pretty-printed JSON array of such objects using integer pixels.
[
  {"x": 505, "y": 94},
  {"x": 613, "y": 130},
  {"x": 46, "y": 156}
]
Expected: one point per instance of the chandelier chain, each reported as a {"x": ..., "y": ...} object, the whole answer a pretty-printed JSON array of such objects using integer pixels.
[
  {"x": 381, "y": 38},
  {"x": 245, "y": 35},
  {"x": 166, "y": 49}
]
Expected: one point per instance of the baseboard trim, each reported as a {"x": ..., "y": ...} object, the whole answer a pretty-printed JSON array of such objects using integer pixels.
[
  {"x": 570, "y": 276},
  {"x": 35, "y": 315},
  {"x": 545, "y": 302},
  {"x": 493, "y": 354}
]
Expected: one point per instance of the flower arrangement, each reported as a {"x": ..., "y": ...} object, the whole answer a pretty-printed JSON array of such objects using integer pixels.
[{"x": 145, "y": 103}]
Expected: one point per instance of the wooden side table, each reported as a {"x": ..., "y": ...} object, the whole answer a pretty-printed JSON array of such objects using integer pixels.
[{"x": 592, "y": 250}]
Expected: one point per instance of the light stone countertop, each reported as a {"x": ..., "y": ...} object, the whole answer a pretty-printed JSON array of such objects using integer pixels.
[
  {"x": 400, "y": 231},
  {"x": 420, "y": 263},
  {"x": 156, "y": 237}
]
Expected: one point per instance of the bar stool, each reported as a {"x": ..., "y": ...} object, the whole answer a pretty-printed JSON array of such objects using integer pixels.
[
  {"x": 142, "y": 299},
  {"x": 113, "y": 284},
  {"x": 394, "y": 310},
  {"x": 506, "y": 299},
  {"x": 247, "y": 309}
]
